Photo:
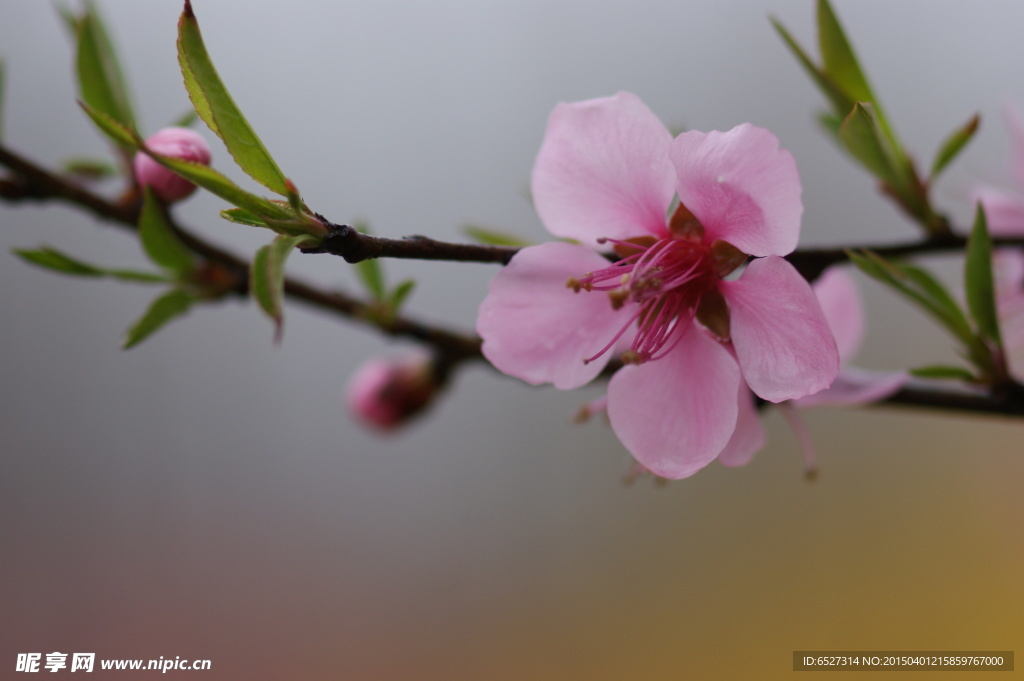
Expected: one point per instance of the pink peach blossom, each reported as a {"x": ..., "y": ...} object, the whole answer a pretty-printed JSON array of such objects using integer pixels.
[
  {"x": 607, "y": 174},
  {"x": 841, "y": 304},
  {"x": 177, "y": 143},
  {"x": 1004, "y": 210},
  {"x": 1008, "y": 270},
  {"x": 385, "y": 393}
]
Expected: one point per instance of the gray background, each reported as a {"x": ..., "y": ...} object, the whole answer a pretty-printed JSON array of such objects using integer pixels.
[{"x": 206, "y": 495}]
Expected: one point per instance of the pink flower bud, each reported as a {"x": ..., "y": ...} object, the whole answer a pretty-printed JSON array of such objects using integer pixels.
[
  {"x": 177, "y": 143},
  {"x": 385, "y": 393}
]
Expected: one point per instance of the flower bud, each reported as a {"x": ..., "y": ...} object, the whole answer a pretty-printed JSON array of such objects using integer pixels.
[
  {"x": 177, "y": 143},
  {"x": 385, "y": 393}
]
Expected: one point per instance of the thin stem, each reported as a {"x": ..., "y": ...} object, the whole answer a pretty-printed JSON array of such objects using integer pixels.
[{"x": 31, "y": 182}]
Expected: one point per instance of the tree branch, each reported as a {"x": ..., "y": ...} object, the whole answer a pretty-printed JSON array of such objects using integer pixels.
[
  {"x": 354, "y": 246},
  {"x": 31, "y": 182}
]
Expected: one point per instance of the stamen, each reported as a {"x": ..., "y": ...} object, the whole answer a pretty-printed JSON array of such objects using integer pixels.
[
  {"x": 613, "y": 341},
  {"x": 666, "y": 278}
]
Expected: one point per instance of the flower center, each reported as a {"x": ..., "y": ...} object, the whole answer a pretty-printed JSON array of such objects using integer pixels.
[
  {"x": 671, "y": 280},
  {"x": 666, "y": 279}
]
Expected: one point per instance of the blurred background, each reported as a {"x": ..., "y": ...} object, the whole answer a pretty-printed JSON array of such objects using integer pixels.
[{"x": 205, "y": 495}]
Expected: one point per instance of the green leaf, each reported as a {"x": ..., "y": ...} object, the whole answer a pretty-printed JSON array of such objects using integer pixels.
[
  {"x": 954, "y": 144},
  {"x": 943, "y": 373},
  {"x": 978, "y": 282},
  {"x": 830, "y": 122},
  {"x": 54, "y": 260},
  {"x": 218, "y": 110},
  {"x": 161, "y": 244},
  {"x": 491, "y": 237},
  {"x": 100, "y": 80},
  {"x": 841, "y": 102},
  {"x": 121, "y": 135},
  {"x": 69, "y": 18},
  {"x": 266, "y": 276},
  {"x": 165, "y": 308},
  {"x": 863, "y": 138},
  {"x": 921, "y": 288},
  {"x": 369, "y": 271},
  {"x": 89, "y": 168},
  {"x": 185, "y": 120},
  {"x": 219, "y": 185},
  {"x": 242, "y": 217},
  {"x": 399, "y": 295},
  {"x": 51, "y": 259},
  {"x": 840, "y": 62},
  {"x": 276, "y": 216}
]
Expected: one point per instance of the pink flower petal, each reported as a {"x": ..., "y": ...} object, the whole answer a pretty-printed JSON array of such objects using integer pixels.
[
  {"x": 748, "y": 438},
  {"x": 676, "y": 414},
  {"x": 1004, "y": 212},
  {"x": 780, "y": 334},
  {"x": 603, "y": 171},
  {"x": 741, "y": 187},
  {"x": 1008, "y": 269},
  {"x": 840, "y": 302},
  {"x": 854, "y": 387},
  {"x": 537, "y": 329},
  {"x": 1014, "y": 121}
]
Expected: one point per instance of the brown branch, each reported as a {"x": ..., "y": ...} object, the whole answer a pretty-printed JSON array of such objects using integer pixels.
[
  {"x": 1008, "y": 401},
  {"x": 31, "y": 182},
  {"x": 354, "y": 246}
]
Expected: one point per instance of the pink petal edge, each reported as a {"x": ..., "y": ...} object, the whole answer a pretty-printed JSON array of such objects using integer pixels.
[
  {"x": 537, "y": 329},
  {"x": 603, "y": 171},
  {"x": 782, "y": 340},
  {"x": 841, "y": 304},
  {"x": 676, "y": 414},
  {"x": 748, "y": 438},
  {"x": 742, "y": 187}
]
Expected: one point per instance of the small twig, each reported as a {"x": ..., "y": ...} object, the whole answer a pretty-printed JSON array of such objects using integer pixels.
[
  {"x": 36, "y": 183},
  {"x": 32, "y": 182},
  {"x": 354, "y": 246}
]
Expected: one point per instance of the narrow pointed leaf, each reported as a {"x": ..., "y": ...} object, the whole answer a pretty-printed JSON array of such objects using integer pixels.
[
  {"x": 369, "y": 273},
  {"x": 840, "y": 62},
  {"x": 100, "y": 81},
  {"x": 266, "y": 276},
  {"x": 164, "y": 309},
  {"x": 216, "y": 183},
  {"x": 56, "y": 261},
  {"x": 954, "y": 144},
  {"x": 51, "y": 259},
  {"x": 491, "y": 237},
  {"x": 294, "y": 198},
  {"x": 369, "y": 270},
  {"x": 863, "y": 138},
  {"x": 830, "y": 122},
  {"x": 216, "y": 107},
  {"x": 69, "y": 18},
  {"x": 159, "y": 241},
  {"x": 197, "y": 173},
  {"x": 400, "y": 294},
  {"x": 118, "y": 133},
  {"x": 943, "y": 373},
  {"x": 921, "y": 288},
  {"x": 185, "y": 120},
  {"x": 89, "y": 168},
  {"x": 978, "y": 283},
  {"x": 841, "y": 102},
  {"x": 242, "y": 217}
]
